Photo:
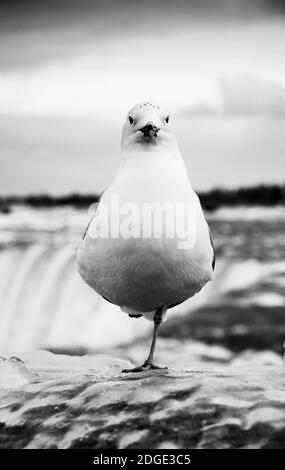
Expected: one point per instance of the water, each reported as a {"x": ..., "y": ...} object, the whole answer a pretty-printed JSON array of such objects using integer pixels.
[
  {"x": 43, "y": 301},
  {"x": 45, "y": 304}
]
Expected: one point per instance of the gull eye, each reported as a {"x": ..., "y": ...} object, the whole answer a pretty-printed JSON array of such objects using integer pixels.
[
  {"x": 167, "y": 119},
  {"x": 131, "y": 120}
]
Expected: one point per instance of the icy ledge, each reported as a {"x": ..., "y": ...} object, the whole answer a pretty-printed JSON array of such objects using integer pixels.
[{"x": 55, "y": 401}]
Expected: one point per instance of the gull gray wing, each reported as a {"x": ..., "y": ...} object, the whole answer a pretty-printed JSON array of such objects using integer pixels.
[
  {"x": 88, "y": 225},
  {"x": 212, "y": 244}
]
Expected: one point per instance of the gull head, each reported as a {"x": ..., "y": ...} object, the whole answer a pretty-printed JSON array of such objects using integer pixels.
[{"x": 147, "y": 126}]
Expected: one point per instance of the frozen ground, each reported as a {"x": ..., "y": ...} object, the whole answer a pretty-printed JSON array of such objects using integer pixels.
[{"x": 85, "y": 402}]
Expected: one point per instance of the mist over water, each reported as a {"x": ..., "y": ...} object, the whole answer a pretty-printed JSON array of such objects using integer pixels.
[{"x": 43, "y": 301}]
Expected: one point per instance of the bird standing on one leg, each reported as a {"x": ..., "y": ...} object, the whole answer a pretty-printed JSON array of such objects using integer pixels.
[
  {"x": 148, "y": 246},
  {"x": 148, "y": 364}
]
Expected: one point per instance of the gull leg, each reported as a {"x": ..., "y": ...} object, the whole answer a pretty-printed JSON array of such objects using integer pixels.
[{"x": 148, "y": 364}]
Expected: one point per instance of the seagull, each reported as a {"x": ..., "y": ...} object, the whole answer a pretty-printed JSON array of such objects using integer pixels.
[{"x": 147, "y": 247}]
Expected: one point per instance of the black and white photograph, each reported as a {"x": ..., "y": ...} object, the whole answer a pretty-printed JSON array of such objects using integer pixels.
[{"x": 142, "y": 228}]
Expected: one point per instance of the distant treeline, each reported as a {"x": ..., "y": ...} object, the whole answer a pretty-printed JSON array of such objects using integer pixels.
[
  {"x": 262, "y": 195},
  {"x": 46, "y": 201}
]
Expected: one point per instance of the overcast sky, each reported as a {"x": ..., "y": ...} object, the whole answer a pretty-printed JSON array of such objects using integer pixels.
[{"x": 70, "y": 70}]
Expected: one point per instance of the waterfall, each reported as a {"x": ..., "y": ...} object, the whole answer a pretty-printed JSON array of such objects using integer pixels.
[{"x": 43, "y": 301}]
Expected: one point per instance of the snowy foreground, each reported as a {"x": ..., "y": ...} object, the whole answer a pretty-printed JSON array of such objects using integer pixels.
[{"x": 56, "y": 401}]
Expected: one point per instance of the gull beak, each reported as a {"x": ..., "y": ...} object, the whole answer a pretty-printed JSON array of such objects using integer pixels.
[{"x": 149, "y": 130}]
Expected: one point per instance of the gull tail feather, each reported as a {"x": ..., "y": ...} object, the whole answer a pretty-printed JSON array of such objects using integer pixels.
[{"x": 148, "y": 315}]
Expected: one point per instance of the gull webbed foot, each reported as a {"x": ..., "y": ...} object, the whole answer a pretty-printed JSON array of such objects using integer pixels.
[{"x": 144, "y": 367}]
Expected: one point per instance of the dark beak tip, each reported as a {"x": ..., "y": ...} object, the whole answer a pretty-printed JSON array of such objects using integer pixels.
[{"x": 149, "y": 129}]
